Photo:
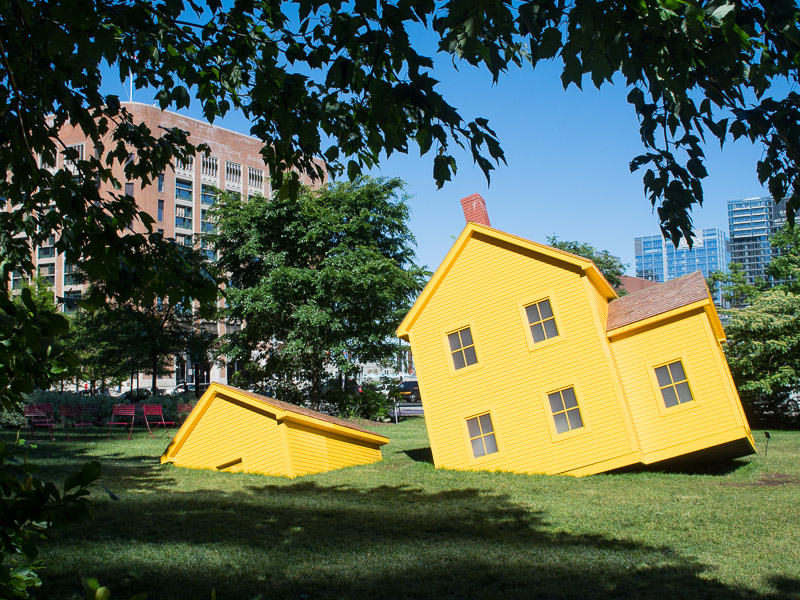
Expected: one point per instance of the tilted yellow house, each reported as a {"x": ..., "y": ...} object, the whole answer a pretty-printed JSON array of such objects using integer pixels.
[
  {"x": 234, "y": 430},
  {"x": 528, "y": 362}
]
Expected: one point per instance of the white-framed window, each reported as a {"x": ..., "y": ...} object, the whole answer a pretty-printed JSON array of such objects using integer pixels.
[
  {"x": 73, "y": 154},
  {"x": 255, "y": 181},
  {"x": 48, "y": 273},
  {"x": 183, "y": 190},
  {"x": 209, "y": 168},
  {"x": 183, "y": 216},
  {"x": 233, "y": 175}
]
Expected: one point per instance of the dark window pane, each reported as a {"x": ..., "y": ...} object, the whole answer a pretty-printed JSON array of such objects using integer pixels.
[
  {"x": 684, "y": 393},
  {"x": 486, "y": 424},
  {"x": 555, "y": 402},
  {"x": 670, "y": 399},
  {"x": 569, "y": 398},
  {"x": 562, "y": 425},
  {"x": 491, "y": 443},
  {"x": 533, "y": 313},
  {"x": 538, "y": 333},
  {"x": 676, "y": 369},
  {"x": 662, "y": 374},
  {"x": 466, "y": 337},
  {"x": 458, "y": 360},
  {"x": 469, "y": 354},
  {"x": 550, "y": 328},
  {"x": 545, "y": 309},
  {"x": 472, "y": 427},
  {"x": 455, "y": 343},
  {"x": 477, "y": 447},
  {"x": 575, "y": 421}
]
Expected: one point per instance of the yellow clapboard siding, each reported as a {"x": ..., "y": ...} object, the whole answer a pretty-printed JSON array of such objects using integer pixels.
[
  {"x": 237, "y": 431},
  {"x": 484, "y": 283}
]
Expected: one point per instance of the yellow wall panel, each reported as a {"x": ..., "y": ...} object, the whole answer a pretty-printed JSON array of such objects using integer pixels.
[
  {"x": 249, "y": 436},
  {"x": 511, "y": 379},
  {"x": 712, "y": 409}
]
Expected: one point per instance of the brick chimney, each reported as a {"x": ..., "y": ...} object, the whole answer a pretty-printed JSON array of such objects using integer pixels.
[{"x": 475, "y": 210}]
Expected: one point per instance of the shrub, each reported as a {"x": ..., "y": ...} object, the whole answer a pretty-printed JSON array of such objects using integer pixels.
[{"x": 368, "y": 403}]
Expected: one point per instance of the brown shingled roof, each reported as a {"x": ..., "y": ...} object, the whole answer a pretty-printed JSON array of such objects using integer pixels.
[
  {"x": 656, "y": 300},
  {"x": 286, "y": 406}
]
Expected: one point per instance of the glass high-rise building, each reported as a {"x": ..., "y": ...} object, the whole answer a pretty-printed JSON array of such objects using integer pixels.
[
  {"x": 751, "y": 222},
  {"x": 658, "y": 259}
]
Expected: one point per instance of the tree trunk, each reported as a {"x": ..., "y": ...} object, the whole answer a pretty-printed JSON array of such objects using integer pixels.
[{"x": 154, "y": 364}]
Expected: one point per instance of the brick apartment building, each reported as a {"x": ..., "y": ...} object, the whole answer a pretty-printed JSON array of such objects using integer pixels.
[{"x": 177, "y": 201}]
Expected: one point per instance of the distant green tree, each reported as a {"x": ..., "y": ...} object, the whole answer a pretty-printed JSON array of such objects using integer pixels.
[
  {"x": 100, "y": 345},
  {"x": 318, "y": 282},
  {"x": 736, "y": 290},
  {"x": 763, "y": 351},
  {"x": 784, "y": 267},
  {"x": 610, "y": 266}
]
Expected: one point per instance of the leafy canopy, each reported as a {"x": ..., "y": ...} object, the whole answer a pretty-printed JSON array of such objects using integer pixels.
[
  {"x": 610, "y": 266},
  {"x": 350, "y": 82},
  {"x": 318, "y": 282}
]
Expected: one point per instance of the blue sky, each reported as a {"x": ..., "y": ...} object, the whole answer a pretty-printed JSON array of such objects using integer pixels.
[{"x": 567, "y": 173}]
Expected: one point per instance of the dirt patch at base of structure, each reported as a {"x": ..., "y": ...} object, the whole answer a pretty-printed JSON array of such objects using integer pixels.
[{"x": 770, "y": 479}]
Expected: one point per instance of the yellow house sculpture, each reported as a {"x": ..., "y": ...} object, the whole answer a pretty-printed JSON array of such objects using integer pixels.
[
  {"x": 529, "y": 362},
  {"x": 234, "y": 430}
]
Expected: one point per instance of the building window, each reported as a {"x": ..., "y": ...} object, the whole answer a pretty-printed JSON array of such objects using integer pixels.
[
  {"x": 17, "y": 280},
  {"x": 255, "y": 181},
  {"x": 205, "y": 225},
  {"x": 462, "y": 348},
  {"x": 47, "y": 249},
  {"x": 233, "y": 174},
  {"x": 566, "y": 413},
  {"x": 541, "y": 320},
  {"x": 673, "y": 383},
  {"x": 72, "y": 275},
  {"x": 160, "y": 210},
  {"x": 207, "y": 195},
  {"x": 209, "y": 167},
  {"x": 183, "y": 239},
  {"x": 48, "y": 274},
  {"x": 73, "y": 154},
  {"x": 207, "y": 249},
  {"x": 161, "y": 182},
  {"x": 129, "y": 189},
  {"x": 183, "y": 217},
  {"x": 183, "y": 190},
  {"x": 71, "y": 301},
  {"x": 481, "y": 435}
]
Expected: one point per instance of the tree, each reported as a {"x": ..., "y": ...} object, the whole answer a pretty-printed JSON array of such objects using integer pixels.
[
  {"x": 784, "y": 267},
  {"x": 318, "y": 282},
  {"x": 351, "y": 83},
  {"x": 610, "y": 266},
  {"x": 736, "y": 290},
  {"x": 763, "y": 352}
]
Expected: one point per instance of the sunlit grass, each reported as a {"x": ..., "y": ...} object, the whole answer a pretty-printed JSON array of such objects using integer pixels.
[{"x": 402, "y": 529}]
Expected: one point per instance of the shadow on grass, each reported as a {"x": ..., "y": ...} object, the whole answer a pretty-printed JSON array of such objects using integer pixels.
[
  {"x": 420, "y": 455},
  {"x": 306, "y": 540},
  {"x": 716, "y": 468}
]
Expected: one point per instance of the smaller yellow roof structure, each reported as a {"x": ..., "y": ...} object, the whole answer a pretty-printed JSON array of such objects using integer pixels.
[{"x": 238, "y": 431}]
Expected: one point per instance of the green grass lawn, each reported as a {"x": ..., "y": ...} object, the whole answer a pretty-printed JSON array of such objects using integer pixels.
[{"x": 402, "y": 529}]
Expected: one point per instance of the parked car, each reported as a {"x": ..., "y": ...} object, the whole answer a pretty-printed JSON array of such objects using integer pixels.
[
  {"x": 183, "y": 388},
  {"x": 409, "y": 391},
  {"x": 135, "y": 395}
]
